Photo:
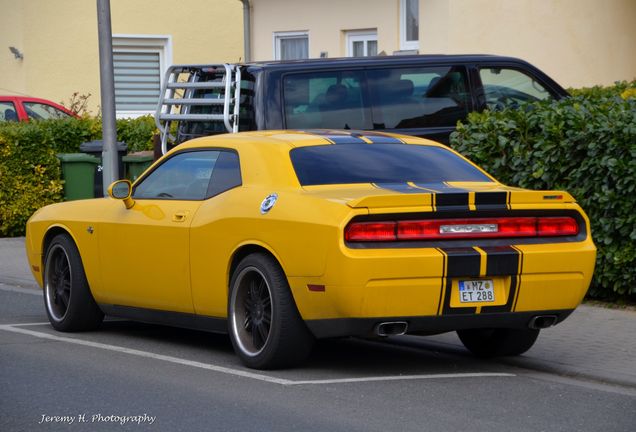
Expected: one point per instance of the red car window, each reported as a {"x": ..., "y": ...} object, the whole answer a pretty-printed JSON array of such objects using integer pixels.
[
  {"x": 8, "y": 112},
  {"x": 40, "y": 111}
]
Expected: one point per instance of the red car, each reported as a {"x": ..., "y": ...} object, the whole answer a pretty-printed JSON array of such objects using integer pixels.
[{"x": 21, "y": 108}]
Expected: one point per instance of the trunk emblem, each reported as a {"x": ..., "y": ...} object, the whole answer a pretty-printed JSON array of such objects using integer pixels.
[{"x": 468, "y": 229}]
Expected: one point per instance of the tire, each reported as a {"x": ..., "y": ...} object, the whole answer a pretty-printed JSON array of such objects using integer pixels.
[
  {"x": 68, "y": 301},
  {"x": 498, "y": 342},
  {"x": 265, "y": 328}
]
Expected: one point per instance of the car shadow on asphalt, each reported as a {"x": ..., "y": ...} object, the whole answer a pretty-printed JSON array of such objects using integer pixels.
[{"x": 344, "y": 356}]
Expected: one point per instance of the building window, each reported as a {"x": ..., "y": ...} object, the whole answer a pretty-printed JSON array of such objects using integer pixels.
[
  {"x": 362, "y": 43},
  {"x": 409, "y": 25},
  {"x": 139, "y": 65},
  {"x": 291, "y": 45}
]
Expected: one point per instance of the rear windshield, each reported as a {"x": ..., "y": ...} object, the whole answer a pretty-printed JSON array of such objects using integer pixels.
[{"x": 380, "y": 163}]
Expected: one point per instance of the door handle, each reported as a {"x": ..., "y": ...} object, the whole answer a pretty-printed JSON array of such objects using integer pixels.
[{"x": 180, "y": 216}]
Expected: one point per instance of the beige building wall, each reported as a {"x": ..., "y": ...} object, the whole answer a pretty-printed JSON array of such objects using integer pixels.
[
  {"x": 326, "y": 21},
  {"x": 60, "y": 45},
  {"x": 576, "y": 42}
]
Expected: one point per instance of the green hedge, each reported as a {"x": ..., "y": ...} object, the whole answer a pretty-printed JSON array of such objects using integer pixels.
[
  {"x": 30, "y": 175},
  {"x": 67, "y": 135},
  {"x": 586, "y": 145}
]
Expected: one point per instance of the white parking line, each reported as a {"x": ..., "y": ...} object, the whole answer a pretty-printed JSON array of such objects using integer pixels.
[
  {"x": 15, "y": 328},
  {"x": 404, "y": 377}
]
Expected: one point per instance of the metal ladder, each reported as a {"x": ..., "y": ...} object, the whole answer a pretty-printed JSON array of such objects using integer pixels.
[{"x": 179, "y": 96}]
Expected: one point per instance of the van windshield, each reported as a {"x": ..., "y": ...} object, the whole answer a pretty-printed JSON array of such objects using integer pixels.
[{"x": 381, "y": 163}]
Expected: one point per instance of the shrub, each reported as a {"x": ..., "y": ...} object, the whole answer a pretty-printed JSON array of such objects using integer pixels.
[
  {"x": 600, "y": 92},
  {"x": 29, "y": 174},
  {"x": 66, "y": 135},
  {"x": 137, "y": 133},
  {"x": 585, "y": 144}
]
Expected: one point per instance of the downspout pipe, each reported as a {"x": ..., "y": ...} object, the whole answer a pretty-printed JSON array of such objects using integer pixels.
[{"x": 247, "y": 30}]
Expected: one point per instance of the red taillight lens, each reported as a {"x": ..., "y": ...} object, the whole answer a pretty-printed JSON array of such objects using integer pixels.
[
  {"x": 370, "y": 231},
  {"x": 467, "y": 228},
  {"x": 557, "y": 226},
  {"x": 461, "y": 229}
]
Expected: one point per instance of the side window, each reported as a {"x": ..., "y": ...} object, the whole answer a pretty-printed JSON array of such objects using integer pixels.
[
  {"x": 226, "y": 174},
  {"x": 508, "y": 87},
  {"x": 325, "y": 100},
  {"x": 421, "y": 97},
  {"x": 8, "y": 112},
  {"x": 39, "y": 111},
  {"x": 192, "y": 176}
]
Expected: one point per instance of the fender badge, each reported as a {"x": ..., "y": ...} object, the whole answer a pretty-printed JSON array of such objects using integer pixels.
[
  {"x": 90, "y": 229},
  {"x": 268, "y": 203}
]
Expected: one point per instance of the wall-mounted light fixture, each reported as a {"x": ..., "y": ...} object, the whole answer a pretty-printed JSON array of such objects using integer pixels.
[{"x": 16, "y": 52}]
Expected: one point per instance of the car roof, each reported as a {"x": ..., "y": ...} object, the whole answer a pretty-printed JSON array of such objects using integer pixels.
[
  {"x": 303, "y": 138},
  {"x": 386, "y": 59}
]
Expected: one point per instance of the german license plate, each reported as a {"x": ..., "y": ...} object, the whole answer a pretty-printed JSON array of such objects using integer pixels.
[{"x": 476, "y": 291}]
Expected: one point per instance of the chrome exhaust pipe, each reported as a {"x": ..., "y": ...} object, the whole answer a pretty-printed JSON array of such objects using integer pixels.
[
  {"x": 542, "y": 321},
  {"x": 392, "y": 328}
]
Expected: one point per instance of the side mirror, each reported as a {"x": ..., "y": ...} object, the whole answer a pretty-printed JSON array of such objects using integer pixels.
[{"x": 121, "y": 190}]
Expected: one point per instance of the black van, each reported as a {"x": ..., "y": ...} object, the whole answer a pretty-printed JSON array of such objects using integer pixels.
[{"x": 423, "y": 95}]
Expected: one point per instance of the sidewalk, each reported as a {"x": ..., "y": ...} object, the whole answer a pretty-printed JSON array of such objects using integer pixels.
[
  {"x": 594, "y": 343},
  {"x": 14, "y": 267}
]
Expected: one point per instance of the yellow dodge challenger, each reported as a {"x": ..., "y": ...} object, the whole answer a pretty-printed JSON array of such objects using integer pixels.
[{"x": 282, "y": 237}]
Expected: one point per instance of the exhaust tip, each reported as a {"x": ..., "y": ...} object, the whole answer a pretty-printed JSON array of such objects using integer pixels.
[
  {"x": 542, "y": 321},
  {"x": 393, "y": 328}
]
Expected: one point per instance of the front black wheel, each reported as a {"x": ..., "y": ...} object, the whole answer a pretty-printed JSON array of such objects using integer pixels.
[
  {"x": 68, "y": 300},
  {"x": 265, "y": 327},
  {"x": 498, "y": 342}
]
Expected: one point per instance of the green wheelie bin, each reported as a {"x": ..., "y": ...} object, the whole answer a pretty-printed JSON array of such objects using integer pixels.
[{"x": 78, "y": 173}]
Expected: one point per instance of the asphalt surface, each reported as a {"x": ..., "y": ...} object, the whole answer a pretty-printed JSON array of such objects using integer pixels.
[{"x": 579, "y": 376}]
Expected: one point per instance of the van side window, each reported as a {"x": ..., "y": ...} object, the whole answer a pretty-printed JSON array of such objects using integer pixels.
[
  {"x": 325, "y": 100},
  {"x": 418, "y": 97},
  {"x": 504, "y": 87}
]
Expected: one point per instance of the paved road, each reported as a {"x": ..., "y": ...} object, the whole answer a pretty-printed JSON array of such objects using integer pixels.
[{"x": 580, "y": 376}]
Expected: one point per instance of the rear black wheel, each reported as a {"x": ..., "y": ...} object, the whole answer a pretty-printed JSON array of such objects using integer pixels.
[
  {"x": 68, "y": 300},
  {"x": 265, "y": 327},
  {"x": 498, "y": 342}
]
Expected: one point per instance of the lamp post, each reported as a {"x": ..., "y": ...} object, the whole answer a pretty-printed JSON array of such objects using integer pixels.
[{"x": 107, "y": 90}]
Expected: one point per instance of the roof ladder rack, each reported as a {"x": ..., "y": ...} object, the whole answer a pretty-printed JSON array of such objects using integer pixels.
[{"x": 186, "y": 88}]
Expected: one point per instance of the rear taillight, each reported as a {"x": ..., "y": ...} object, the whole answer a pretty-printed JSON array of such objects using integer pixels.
[
  {"x": 370, "y": 231},
  {"x": 437, "y": 229},
  {"x": 557, "y": 226}
]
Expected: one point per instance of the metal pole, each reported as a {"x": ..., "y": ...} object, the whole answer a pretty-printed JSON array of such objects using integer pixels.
[
  {"x": 107, "y": 87},
  {"x": 247, "y": 31}
]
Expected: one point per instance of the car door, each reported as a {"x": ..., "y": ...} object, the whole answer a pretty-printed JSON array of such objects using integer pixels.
[{"x": 145, "y": 250}]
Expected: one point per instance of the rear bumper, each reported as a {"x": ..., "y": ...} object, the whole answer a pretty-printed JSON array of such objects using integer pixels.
[{"x": 364, "y": 327}]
